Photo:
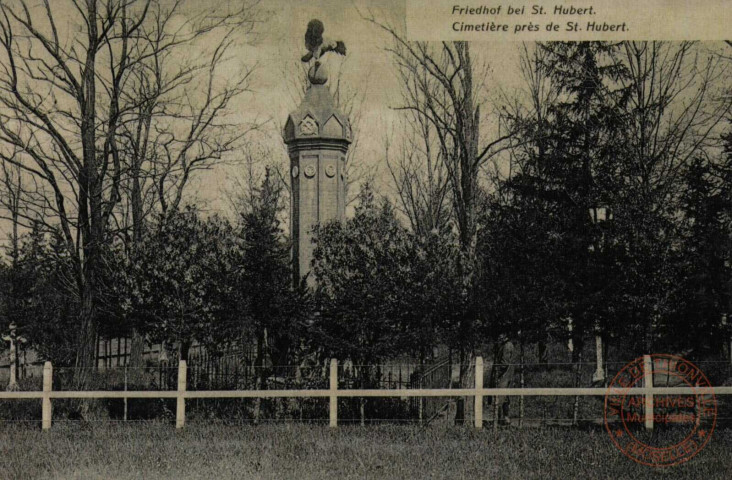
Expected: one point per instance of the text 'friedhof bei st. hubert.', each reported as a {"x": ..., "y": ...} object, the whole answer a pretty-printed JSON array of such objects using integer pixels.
[
  {"x": 567, "y": 20},
  {"x": 522, "y": 18}
]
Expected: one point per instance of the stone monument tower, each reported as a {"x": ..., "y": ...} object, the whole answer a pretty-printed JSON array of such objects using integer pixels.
[{"x": 317, "y": 135}]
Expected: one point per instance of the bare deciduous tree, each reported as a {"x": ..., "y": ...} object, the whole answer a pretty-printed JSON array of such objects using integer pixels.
[
  {"x": 172, "y": 134},
  {"x": 419, "y": 176},
  {"x": 89, "y": 92},
  {"x": 676, "y": 106},
  {"x": 12, "y": 196},
  {"x": 61, "y": 94},
  {"x": 445, "y": 77},
  {"x": 677, "y": 103}
]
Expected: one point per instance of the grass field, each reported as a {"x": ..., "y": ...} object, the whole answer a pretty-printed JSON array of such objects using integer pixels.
[{"x": 132, "y": 451}]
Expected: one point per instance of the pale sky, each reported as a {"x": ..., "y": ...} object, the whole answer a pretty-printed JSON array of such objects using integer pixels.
[{"x": 367, "y": 70}]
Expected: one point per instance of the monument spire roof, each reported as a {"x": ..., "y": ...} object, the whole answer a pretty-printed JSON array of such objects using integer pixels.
[{"x": 317, "y": 116}]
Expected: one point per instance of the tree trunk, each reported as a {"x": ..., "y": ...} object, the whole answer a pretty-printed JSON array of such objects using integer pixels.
[
  {"x": 91, "y": 223},
  {"x": 462, "y": 376},
  {"x": 138, "y": 340},
  {"x": 466, "y": 213},
  {"x": 542, "y": 348},
  {"x": 576, "y": 360},
  {"x": 362, "y": 410},
  {"x": 521, "y": 380},
  {"x": 184, "y": 350},
  {"x": 86, "y": 351},
  {"x": 136, "y": 362},
  {"x": 259, "y": 376}
]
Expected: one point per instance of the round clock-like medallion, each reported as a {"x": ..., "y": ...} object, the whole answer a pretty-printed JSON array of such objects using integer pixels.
[
  {"x": 330, "y": 170},
  {"x": 295, "y": 171},
  {"x": 310, "y": 171}
]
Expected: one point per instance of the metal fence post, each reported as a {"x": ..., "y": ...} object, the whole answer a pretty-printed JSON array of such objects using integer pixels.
[
  {"x": 333, "y": 390},
  {"x": 46, "y": 402},
  {"x": 648, "y": 383},
  {"x": 478, "y": 402},
  {"x": 180, "y": 411}
]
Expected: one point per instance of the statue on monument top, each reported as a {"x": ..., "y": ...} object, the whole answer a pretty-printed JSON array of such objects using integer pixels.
[{"x": 317, "y": 46}]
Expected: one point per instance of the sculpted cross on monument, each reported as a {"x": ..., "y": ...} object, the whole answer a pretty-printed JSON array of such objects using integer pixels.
[
  {"x": 317, "y": 46},
  {"x": 317, "y": 135}
]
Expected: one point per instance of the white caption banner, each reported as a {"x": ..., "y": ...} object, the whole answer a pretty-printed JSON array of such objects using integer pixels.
[{"x": 547, "y": 20}]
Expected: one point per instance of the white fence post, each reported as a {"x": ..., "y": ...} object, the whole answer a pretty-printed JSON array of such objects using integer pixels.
[
  {"x": 648, "y": 383},
  {"x": 46, "y": 402},
  {"x": 180, "y": 411},
  {"x": 478, "y": 402},
  {"x": 333, "y": 390},
  {"x": 648, "y": 391}
]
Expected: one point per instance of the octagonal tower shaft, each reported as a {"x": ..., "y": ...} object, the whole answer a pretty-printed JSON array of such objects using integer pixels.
[{"x": 317, "y": 135}]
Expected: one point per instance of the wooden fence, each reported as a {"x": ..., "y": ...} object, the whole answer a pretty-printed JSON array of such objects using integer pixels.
[{"x": 333, "y": 393}]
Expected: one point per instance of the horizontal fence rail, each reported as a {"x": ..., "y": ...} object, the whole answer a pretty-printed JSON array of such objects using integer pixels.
[
  {"x": 334, "y": 393},
  {"x": 354, "y": 393}
]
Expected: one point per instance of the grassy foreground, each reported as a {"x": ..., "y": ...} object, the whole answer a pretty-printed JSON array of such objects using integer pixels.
[{"x": 132, "y": 451}]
